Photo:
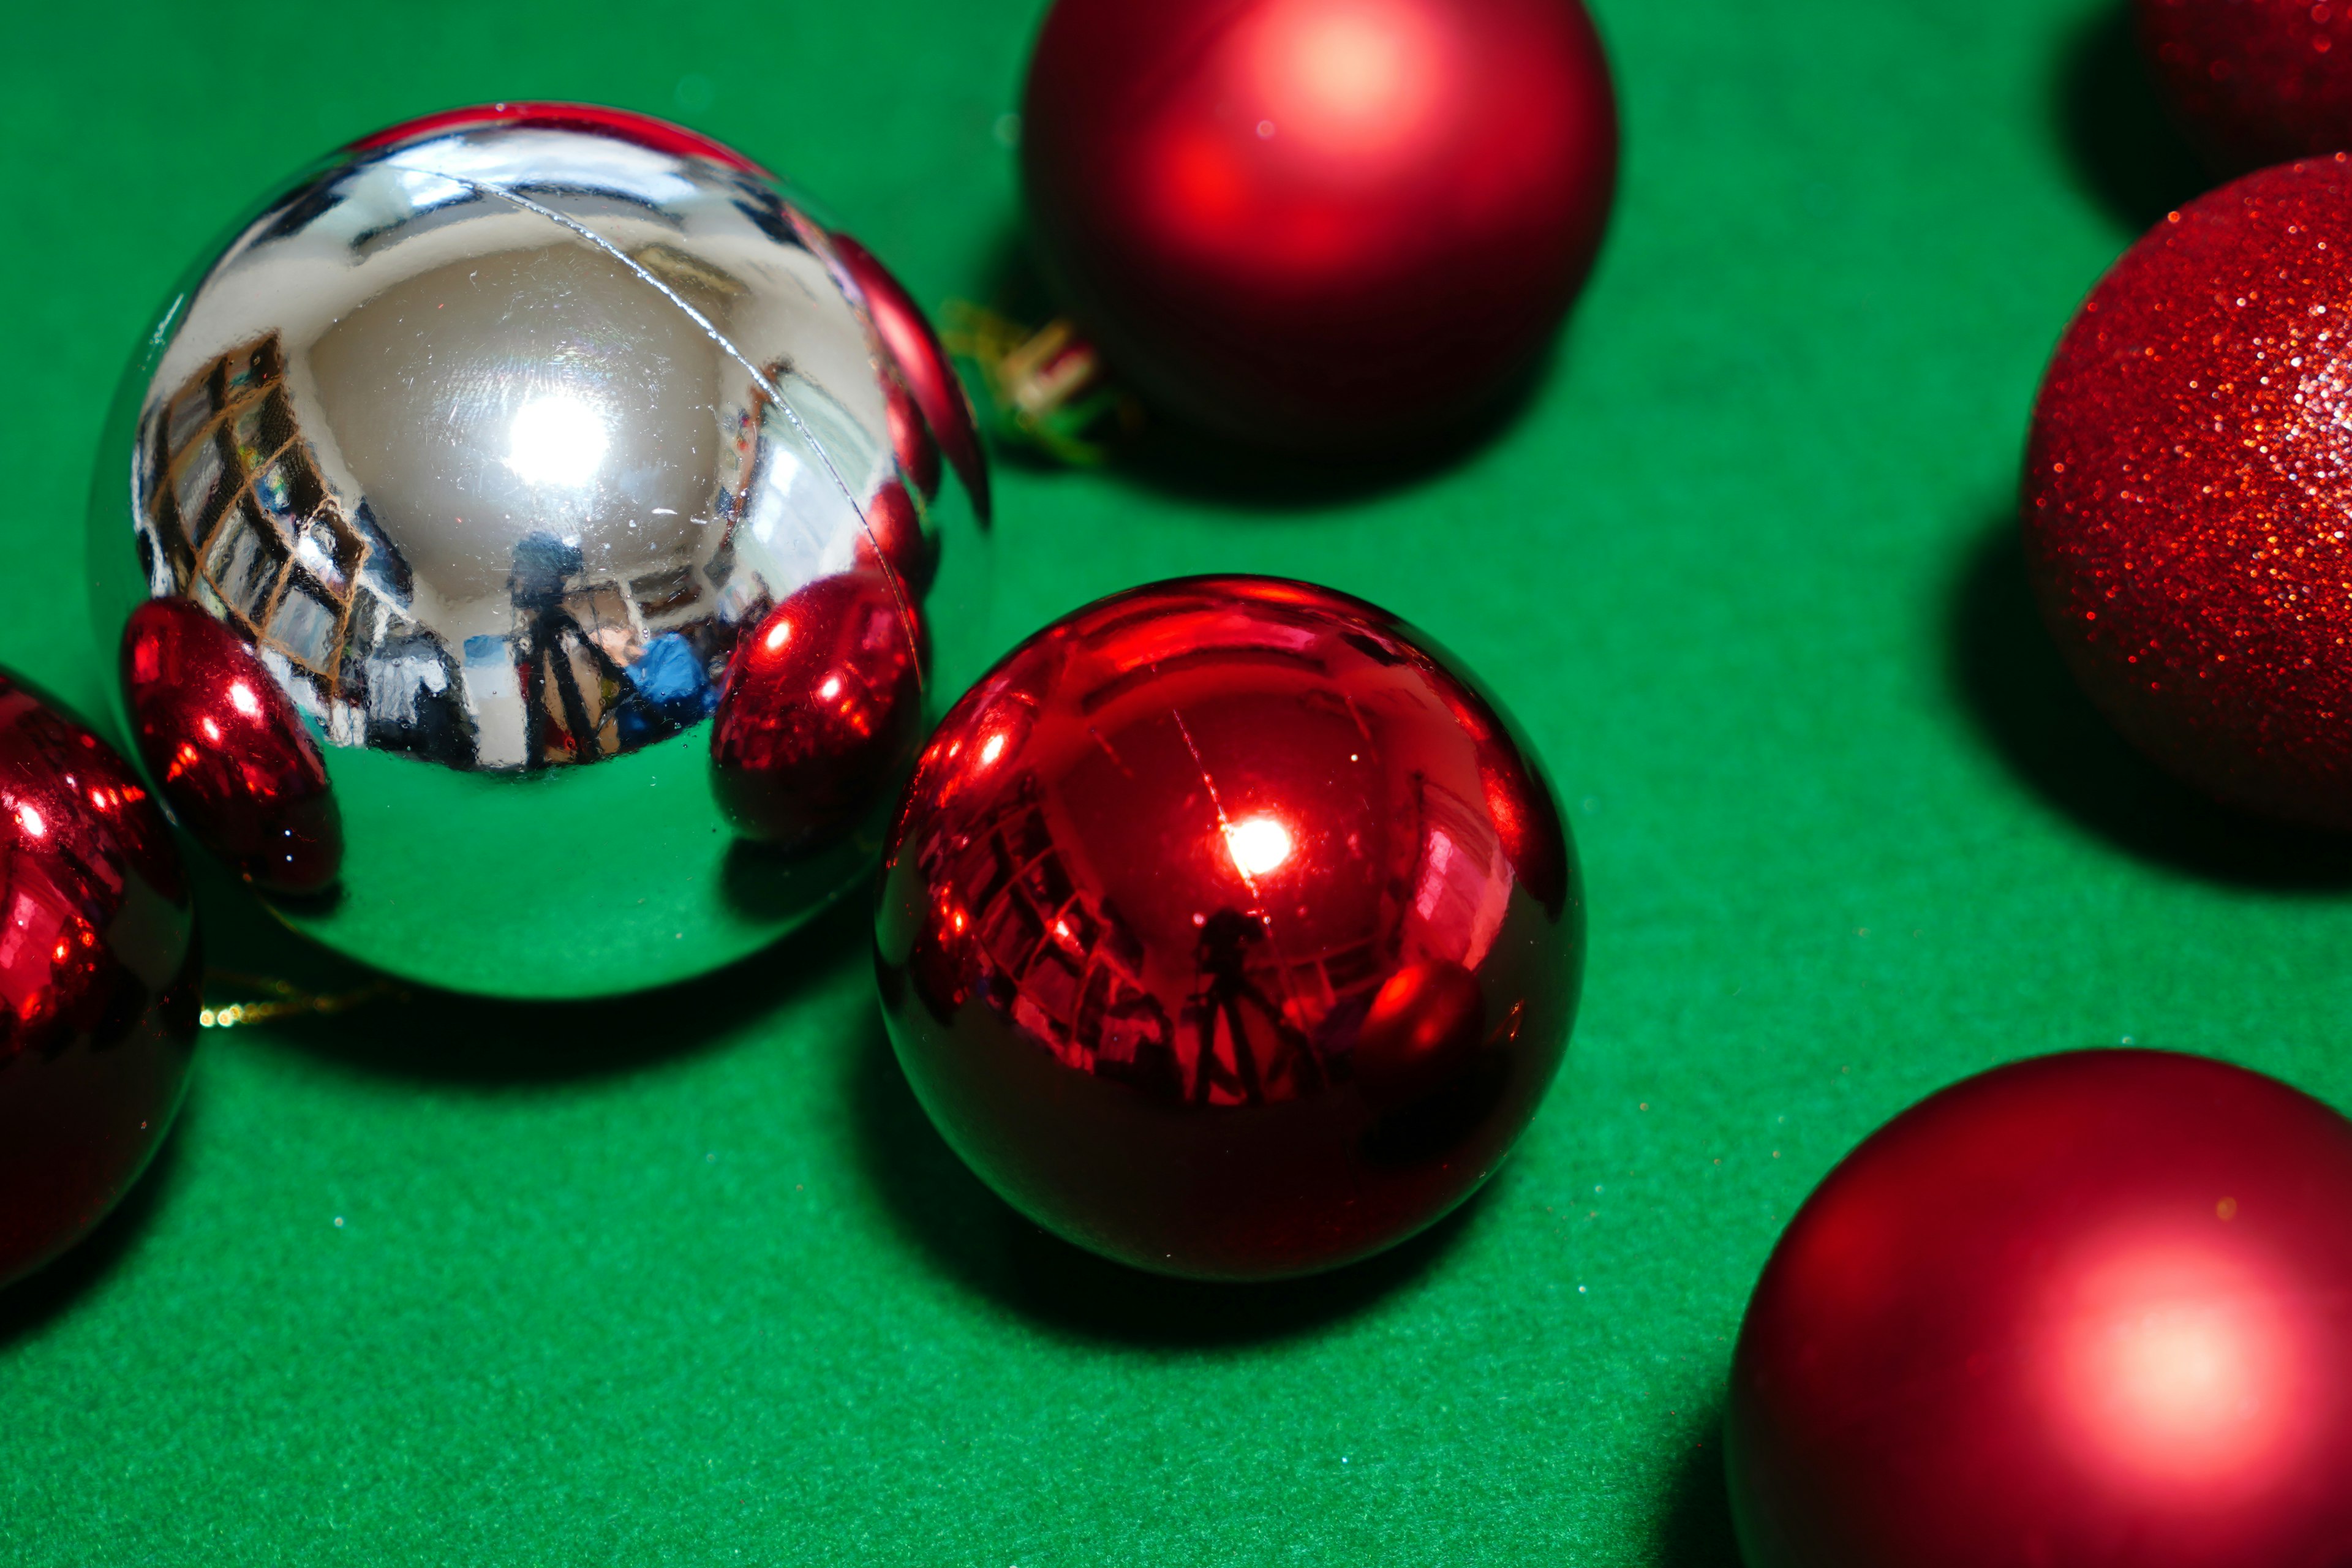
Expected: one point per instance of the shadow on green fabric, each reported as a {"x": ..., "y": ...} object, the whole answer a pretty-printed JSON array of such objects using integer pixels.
[
  {"x": 947, "y": 1214},
  {"x": 2013, "y": 684},
  {"x": 2122, "y": 146},
  {"x": 440, "y": 1038},
  {"x": 32, "y": 1304},
  {"x": 1233, "y": 481},
  {"x": 1694, "y": 1529}
]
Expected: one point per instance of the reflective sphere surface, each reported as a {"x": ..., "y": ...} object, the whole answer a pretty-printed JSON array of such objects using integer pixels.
[
  {"x": 486, "y": 445},
  {"x": 100, "y": 981},
  {"x": 1227, "y": 931},
  {"x": 1324, "y": 225},
  {"x": 2090, "y": 1310}
]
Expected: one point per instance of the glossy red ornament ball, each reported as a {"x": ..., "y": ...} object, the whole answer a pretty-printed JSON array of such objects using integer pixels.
[
  {"x": 925, "y": 374},
  {"x": 2090, "y": 1310},
  {"x": 1319, "y": 224},
  {"x": 822, "y": 712},
  {"x": 2189, "y": 493},
  {"x": 98, "y": 981},
  {"x": 2252, "y": 81},
  {"x": 1228, "y": 931},
  {"x": 227, "y": 746}
]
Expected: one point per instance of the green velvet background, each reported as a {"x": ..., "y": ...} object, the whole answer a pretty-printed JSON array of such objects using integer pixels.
[{"x": 688, "y": 1279}]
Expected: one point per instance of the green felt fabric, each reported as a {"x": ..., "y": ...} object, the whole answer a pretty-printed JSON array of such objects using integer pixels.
[{"x": 686, "y": 1277}]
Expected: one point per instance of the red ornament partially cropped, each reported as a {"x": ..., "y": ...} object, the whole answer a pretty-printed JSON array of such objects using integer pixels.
[
  {"x": 1324, "y": 225},
  {"x": 2189, "y": 493},
  {"x": 2252, "y": 81},
  {"x": 1228, "y": 931},
  {"x": 98, "y": 981},
  {"x": 2092, "y": 1310}
]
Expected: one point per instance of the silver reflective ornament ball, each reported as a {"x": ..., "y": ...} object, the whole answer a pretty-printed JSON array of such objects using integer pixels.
[{"x": 530, "y": 553}]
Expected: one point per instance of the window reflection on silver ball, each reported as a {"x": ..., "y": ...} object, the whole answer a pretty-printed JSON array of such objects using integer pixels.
[{"x": 494, "y": 445}]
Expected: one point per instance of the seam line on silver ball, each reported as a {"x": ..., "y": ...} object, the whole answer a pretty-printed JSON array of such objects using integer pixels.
[{"x": 759, "y": 378}]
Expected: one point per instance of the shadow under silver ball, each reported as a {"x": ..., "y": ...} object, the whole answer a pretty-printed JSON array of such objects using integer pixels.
[{"x": 486, "y": 443}]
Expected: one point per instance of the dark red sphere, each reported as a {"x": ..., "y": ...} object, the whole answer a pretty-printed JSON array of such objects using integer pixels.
[
  {"x": 822, "y": 711},
  {"x": 2092, "y": 1310},
  {"x": 227, "y": 746},
  {"x": 928, "y": 376},
  {"x": 1319, "y": 224},
  {"x": 100, "y": 981},
  {"x": 1228, "y": 931},
  {"x": 2188, "y": 486},
  {"x": 2252, "y": 81}
]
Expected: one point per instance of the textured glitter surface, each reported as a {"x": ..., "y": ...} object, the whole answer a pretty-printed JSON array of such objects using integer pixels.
[
  {"x": 2094, "y": 1309},
  {"x": 2253, "y": 81},
  {"x": 1227, "y": 931},
  {"x": 1320, "y": 222},
  {"x": 2188, "y": 486}
]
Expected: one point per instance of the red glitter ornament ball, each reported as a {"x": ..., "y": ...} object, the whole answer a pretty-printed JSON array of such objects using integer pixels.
[
  {"x": 1228, "y": 931},
  {"x": 2188, "y": 487},
  {"x": 1319, "y": 224},
  {"x": 225, "y": 745},
  {"x": 2091, "y": 1309},
  {"x": 2252, "y": 81},
  {"x": 98, "y": 981},
  {"x": 822, "y": 710}
]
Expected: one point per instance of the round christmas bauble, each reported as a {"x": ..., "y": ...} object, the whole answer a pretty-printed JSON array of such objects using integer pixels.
[
  {"x": 2187, "y": 485},
  {"x": 100, "y": 981},
  {"x": 1228, "y": 931},
  {"x": 1327, "y": 224},
  {"x": 2089, "y": 1309},
  {"x": 448, "y": 495},
  {"x": 2252, "y": 81}
]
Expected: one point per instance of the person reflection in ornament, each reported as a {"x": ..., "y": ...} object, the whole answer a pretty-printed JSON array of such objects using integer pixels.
[
  {"x": 548, "y": 638},
  {"x": 1222, "y": 953}
]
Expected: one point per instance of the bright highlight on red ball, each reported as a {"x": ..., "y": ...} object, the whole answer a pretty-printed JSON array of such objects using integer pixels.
[{"x": 2180, "y": 1359}]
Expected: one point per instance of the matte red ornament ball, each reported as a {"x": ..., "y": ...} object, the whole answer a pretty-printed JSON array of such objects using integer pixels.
[
  {"x": 98, "y": 981},
  {"x": 228, "y": 748},
  {"x": 1228, "y": 929},
  {"x": 2092, "y": 1310},
  {"x": 2189, "y": 492},
  {"x": 1319, "y": 224},
  {"x": 2252, "y": 81}
]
